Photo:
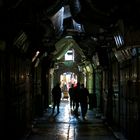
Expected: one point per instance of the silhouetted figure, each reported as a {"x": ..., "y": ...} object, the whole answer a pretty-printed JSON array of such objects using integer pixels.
[
  {"x": 76, "y": 98},
  {"x": 84, "y": 98},
  {"x": 56, "y": 94},
  {"x": 71, "y": 94}
]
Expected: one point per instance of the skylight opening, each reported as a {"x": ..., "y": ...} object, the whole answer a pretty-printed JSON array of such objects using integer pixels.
[
  {"x": 119, "y": 40},
  {"x": 69, "y": 56}
]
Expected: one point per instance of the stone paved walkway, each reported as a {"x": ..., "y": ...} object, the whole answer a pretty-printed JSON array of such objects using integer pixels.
[{"x": 65, "y": 126}]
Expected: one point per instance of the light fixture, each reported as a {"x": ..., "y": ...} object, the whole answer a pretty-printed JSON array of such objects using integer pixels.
[{"x": 37, "y": 53}]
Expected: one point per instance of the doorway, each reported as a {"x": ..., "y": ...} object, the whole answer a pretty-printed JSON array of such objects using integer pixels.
[{"x": 66, "y": 80}]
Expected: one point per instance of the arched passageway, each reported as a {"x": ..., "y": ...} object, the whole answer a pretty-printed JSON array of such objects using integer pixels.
[
  {"x": 78, "y": 64},
  {"x": 35, "y": 35}
]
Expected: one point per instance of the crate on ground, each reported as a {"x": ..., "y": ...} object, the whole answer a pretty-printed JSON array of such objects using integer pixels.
[{"x": 65, "y": 95}]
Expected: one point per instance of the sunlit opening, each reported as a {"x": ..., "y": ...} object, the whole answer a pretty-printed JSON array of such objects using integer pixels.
[{"x": 69, "y": 55}]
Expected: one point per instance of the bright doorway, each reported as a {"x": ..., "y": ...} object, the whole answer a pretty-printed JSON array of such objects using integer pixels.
[{"x": 66, "y": 80}]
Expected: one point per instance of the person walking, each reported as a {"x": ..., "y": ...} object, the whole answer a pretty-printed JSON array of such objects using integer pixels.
[
  {"x": 76, "y": 98},
  {"x": 56, "y": 94},
  {"x": 84, "y": 98},
  {"x": 71, "y": 95}
]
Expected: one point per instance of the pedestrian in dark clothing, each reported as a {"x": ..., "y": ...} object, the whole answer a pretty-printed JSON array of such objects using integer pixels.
[
  {"x": 56, "y": 94},
  {"x": 84, "y": 98},
  {"x": 76, "y": 98},
  {"x": 71, "y": 94}
]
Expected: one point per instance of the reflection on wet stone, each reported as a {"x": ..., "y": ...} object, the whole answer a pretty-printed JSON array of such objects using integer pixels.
[{"x": 65, "y": 126}]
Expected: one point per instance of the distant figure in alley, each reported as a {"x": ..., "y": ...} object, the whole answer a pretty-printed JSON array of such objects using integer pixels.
[
  {"x": 56, "y": 94},
  {"x": 71, "y": 94}
]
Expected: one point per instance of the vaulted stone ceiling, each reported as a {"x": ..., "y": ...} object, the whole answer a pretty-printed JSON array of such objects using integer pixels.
[
  {"x": 45, "y": 22},
  {"x": 91, "y": 13}
]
